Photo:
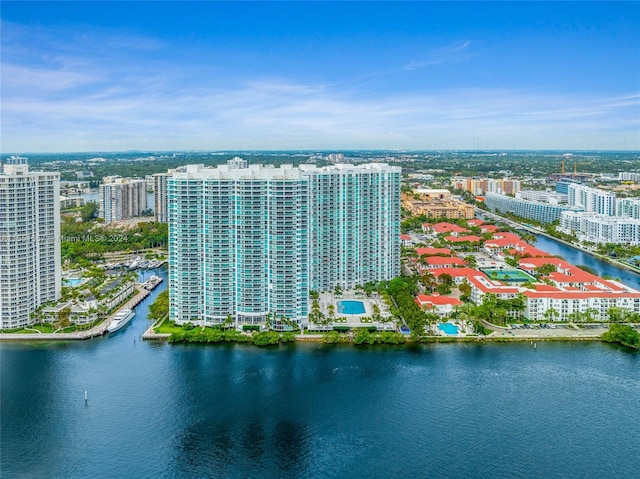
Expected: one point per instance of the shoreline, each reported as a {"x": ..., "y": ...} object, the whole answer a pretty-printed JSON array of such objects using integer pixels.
[{"x": 318, "y": 339}]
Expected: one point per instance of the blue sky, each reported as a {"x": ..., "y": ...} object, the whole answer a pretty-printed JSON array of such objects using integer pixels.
[{"x": 100, "y": 76}]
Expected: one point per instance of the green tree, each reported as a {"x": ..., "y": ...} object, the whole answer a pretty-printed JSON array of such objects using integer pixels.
[
  {"x": 160, "y": 307},
  {"x": 545, "y": 269},
  {"x": 64, "y": 318},
  {"x": 376, "y": 312},
  {"x": 471, "y": 260},
  {"x": 622, "y": 334},
  {"x": 89, "y": 211},
  {"x": 551, "y": 314},
  {"x": 465, "y": 289},
  {"x": 617, "y": 315}
]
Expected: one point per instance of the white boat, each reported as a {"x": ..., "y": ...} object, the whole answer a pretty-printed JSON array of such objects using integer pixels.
[
  {"x": 136, "y": 263},
  {"x": 120, "y": 320}
]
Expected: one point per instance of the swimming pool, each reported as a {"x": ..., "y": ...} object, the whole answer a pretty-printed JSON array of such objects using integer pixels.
[
  {"x": 448, "y": 328},
  {"x": 73, "y": 281},
  {"x": 351, "y": 307}
]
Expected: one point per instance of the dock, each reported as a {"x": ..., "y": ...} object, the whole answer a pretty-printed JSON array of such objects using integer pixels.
[{"x": 96, "y": 331}]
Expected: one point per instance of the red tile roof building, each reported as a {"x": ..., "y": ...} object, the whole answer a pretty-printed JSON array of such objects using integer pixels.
[
  {"x": 433, "y": 251},
  {"x": 442, "y": 305},
  {"x": 441, "y": 228}
]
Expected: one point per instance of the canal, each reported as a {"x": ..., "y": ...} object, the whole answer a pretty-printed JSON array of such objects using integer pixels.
[{"x": 577, "y": 257}]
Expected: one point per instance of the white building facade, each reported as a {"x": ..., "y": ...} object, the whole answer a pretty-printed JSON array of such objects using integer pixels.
[
  {"x": 30, "y": 268},
  {"x": 160, "y": 196},
  {"x": 543, "y": 212},
  {"x": 592, "y": 199},
  {"x": 122, "y": 198},
  {"x": 600, "y": 228}
]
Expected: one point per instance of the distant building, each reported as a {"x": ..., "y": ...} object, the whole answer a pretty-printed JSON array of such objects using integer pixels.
[
  {"x": 629, "y": 176},
  {"x": 30, "y": 268},
  {"x": 543, "y": 212},
  {"x": 437, "y": 204},
  {"x": 601, "y": 228},
  {"x": 629, "y": 207},
  {"x": 592, "y": 199},
  {"x": 160, "y": 196},
  {"x": 71, "y": 202},
  {"x": 482, "y": 186},
  {"x": 122, "y": 198},
  {"x": 542, "y": 196},
  {"x": 83, "y": 175}
]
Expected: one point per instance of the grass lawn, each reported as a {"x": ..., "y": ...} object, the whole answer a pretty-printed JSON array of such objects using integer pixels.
[{"x": 168, "y": 327}]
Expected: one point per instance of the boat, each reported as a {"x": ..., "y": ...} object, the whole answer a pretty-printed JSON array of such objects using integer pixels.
[
  {"x": 136, "y": 263},
  {"x": 120, "y": 320}
]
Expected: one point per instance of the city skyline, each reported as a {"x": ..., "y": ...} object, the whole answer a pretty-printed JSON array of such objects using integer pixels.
[{"x": 84, "y": 76}]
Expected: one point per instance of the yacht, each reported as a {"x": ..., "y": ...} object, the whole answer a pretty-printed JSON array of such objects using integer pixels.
[
  {"x": 120, "y": 320},
  {"x": 136, "y": 263}
]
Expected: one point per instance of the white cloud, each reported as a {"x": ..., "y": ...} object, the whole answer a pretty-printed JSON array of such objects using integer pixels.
[
  {"x": 450, "y": 53},
  {"x": 86, "y": 92}
]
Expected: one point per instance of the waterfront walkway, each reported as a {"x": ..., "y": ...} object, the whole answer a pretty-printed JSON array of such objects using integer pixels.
[{"x": 97, "y": 330}]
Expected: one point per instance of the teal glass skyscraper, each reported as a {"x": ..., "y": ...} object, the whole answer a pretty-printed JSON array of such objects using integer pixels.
[
  {"x": 238, "y": 244},
  {"x": 248, "y": 242},
  {"x": 354, "y": 224}
]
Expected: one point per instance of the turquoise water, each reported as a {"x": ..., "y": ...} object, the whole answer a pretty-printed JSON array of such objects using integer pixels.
[
  {"x": 448, "y": 328},
  {"x": 73, "y": 281},
  {"x": 351, "y": 307}
]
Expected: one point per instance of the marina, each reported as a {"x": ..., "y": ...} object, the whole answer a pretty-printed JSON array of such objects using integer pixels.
[{"x": 143, "y": 290}]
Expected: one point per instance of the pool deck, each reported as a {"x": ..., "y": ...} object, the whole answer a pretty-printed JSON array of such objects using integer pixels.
[{"x": 354, "y": 320}]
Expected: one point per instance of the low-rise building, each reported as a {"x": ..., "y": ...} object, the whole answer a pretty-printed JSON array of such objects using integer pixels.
[
  {"x": 433, "y": 251},
  {"x": 443, "y": 228},
  {"x": 437, "y": 204},
  {"x": 441, "y": 305},
  {"x": 600, "y": 228},
  {"x": 434, "y": 262}
]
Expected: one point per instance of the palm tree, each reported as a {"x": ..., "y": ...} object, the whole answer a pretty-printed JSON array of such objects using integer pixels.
[
  {"x": 331, "y": 311},
  {"x": 376, "y": 312},
  {"x": 64, "y": 316},
  {"x": 589, "y": 314},
  {"x": 550, "y": 314}
]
